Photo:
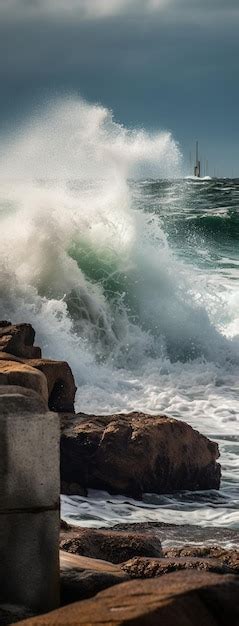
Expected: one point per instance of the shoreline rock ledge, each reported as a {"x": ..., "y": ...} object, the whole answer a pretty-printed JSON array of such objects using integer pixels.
[
  {"x": 136, "y": 453},
  {"x": 21, "y": 363}
]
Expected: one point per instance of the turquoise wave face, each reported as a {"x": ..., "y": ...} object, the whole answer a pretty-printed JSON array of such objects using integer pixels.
[{"x": 147, "y": 288}]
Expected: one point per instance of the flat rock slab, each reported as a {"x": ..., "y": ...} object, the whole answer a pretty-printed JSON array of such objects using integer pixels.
[
  {"x": 137, "y": 453},
  {"x": 83, "y": 577},
  {"x": 183, "y": 598},
  {"x": 115, "y": 547}
]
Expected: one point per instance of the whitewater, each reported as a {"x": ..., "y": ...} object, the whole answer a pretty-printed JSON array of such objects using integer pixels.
[{"x": 129, "y": 270}]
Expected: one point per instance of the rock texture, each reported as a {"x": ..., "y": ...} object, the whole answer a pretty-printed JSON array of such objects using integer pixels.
[
  {"x": 228, "y": 560},
  {"x": 60, "y": 381},
  {"x": 30, "y": 400},
  {"x": 83, "y": 577},
  {"x": 16, "y": 346},
  {"x": 23, "y": 375},
  {"x": 142, "y": 567},
  {"x": 115, "y": 546},
  {"x": 182, "y": 598},
  {"x": 18, "y": 339},
  {"x": 136, "y": 453}
]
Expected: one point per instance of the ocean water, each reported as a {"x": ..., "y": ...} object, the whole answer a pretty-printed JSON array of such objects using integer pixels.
[{"x": 129, "y": 270}]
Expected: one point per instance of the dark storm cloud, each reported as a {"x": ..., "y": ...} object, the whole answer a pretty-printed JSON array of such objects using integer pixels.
[{"x": 170, "y": 63}]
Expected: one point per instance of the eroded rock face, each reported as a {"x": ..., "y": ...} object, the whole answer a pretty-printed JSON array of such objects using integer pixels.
[
  {"x": 60, "y": 381},
  {"x": 136, "y": 453},
  {"x": 183, "y": 598},
  {"x": 227, "y": 559},
  {"x": 115, "y": 546},
  {"x": 61, "y": 387},
  {"x": 18, "y": 339},
  {"x": 142, "y": 567},
  {"x": 30, "y": 400},
  {"x": 23, "y": 375}
]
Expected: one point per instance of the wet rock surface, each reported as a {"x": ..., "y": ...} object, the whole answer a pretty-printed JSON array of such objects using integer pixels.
[
  {"x": 116, "y": 547},
  {"x": 183, "y": 535}
]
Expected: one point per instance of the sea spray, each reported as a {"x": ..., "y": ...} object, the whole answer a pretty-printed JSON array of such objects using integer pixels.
[{"x": 91, "y": 257}]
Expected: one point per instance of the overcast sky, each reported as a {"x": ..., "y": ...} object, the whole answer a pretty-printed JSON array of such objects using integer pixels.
[{"x": 158, "y": 64}]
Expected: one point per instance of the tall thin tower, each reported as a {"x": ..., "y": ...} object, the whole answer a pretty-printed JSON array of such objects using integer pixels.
[{"x": 197, "y": 168}]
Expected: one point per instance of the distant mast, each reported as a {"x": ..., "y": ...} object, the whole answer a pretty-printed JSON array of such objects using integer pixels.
[{"x": 197, "y": 168}]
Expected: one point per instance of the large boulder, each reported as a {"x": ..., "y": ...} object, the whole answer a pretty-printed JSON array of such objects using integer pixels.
[
  {"x": 18, "y": 339},
  {"x": 136, "y": 453},
  {"x": 23, "y": 375},
  {"x": 113, "y": 546},
  {"x": 183, "y": 598}
]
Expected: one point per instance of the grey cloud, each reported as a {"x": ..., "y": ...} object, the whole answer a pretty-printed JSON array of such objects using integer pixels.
[
  {"x": 173, "y": 65},
  {"x": 80, "y": 10}
]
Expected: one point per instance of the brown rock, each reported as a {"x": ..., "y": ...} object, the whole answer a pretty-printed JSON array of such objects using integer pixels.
[
  {"x": 136, "y": 453},
  {"x": 227, "y": 558},
  {"x": 82, "y": 577},
  {"x": 29, "y": 398},
  {"x": 115, "y": 546},
  {"x": 60, "y": 381},
  {"x": 183, "y": 598},
  {"x": 18, "y": 339},
  {"x": 149, "y": 568},
  {"x": 22, "y": 375}
]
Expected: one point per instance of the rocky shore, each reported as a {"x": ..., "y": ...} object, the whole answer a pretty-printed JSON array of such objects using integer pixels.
[{"x": 123, "y": 575}]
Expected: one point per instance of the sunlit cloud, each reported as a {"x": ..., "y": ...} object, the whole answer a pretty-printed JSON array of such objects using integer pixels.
[{"x": 83, "y": 9}]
